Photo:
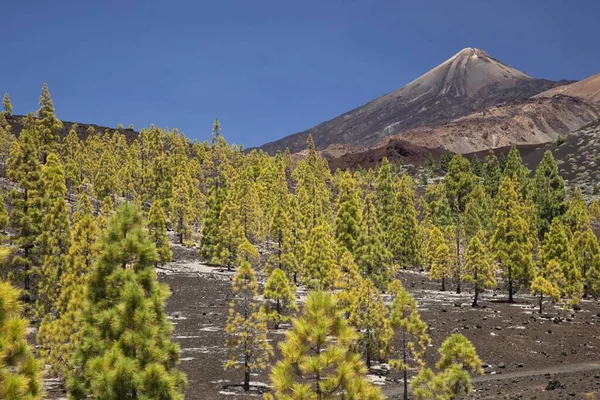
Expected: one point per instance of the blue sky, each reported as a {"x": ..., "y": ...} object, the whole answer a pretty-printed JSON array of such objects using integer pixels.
[{"x": 267, "y": 68}]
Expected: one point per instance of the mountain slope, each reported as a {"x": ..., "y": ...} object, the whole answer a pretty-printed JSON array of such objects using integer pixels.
[
  {"x": 587, "y": 89},
  {"x": 528, "y": 121},
  {"x": 578, "y": 158},
  {"x": 468, "y": 81}
]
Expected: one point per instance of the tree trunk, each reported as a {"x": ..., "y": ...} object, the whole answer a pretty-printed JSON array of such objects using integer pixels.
[
  {"x": 541, "y": 301},
  {"x": 476, "y": 295},
  {"x": 510, "y": 286},
  {"x": 458, "y": 266},
  {"x": 405, "y": 372},
  {"x": 246, "y": 380},
  {"x": 443, "y": 284}
]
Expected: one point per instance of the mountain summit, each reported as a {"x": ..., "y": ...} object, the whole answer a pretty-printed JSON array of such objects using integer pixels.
[{"x": 470, "y": 80}]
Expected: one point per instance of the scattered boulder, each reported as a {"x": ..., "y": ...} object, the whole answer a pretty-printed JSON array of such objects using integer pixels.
[{"x": 555, "y": 384}]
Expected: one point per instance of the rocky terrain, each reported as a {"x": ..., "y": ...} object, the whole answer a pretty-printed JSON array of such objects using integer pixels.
[
  {"x": 525, "y": 354},
  {"x": 529, "y": 121},
  {"x": 577, "y": 156},
  {"x": 587, "y": 89},
  {"x": 469, "y": 81}
]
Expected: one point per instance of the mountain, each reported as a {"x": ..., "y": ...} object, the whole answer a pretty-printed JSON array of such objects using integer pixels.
[
  {"x": 587, "y": 89},
  {"x": 470, "y": 80},
  {"x": 527, "y": 121}
]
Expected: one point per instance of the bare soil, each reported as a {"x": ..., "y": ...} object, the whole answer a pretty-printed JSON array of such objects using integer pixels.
[{"x": 513, "y": 340}]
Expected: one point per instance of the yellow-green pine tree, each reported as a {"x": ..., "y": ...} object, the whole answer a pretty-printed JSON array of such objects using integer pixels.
[
  {"x": 369, "y": 316},
  {"x": 48, "y": 125},
  {"x": 458, "y": 358},
  {"x": 372, "y": 256},
  {"x": 7, "y": 105},
  {"x": 20, "y": 372},
  {"x": 25, "y": 218},
  {"x": 479, "y": 268},
  {"x": 404, "y": 226},
  {"x": 157, "y": 230},
  {"x": 441, "y": 266},
  {"x": 412, "y": 331},
  {"x": 125, "y": 349},
  {"x": 181, "y": 205},
  {"x": 385, "y": 198},
  {"x": 210, "y": 231},
  {"x": 512, "y": 241},
  {"x": 547, "y": 194},
  {"x": 548, "y": 281},
  {"x": 247, "y": 345},
  {"x": 557, "y": 246},
  {"x": 59, "y": 337},
  {"x": 491, "y": 174},
  {"x": 280, "y": 299},
  {"x": 348, "y": 279},
  {"x": 56, "y": 234},
  {"x": 318, "y": 361},
  {"x": 348, "y": 216},
  {"x": 319, "y": 269}
]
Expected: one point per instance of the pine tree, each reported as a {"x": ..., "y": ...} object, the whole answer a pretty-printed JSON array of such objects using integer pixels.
[
  {"x": 548, "y": 281},
  {"x": 586, "y": 250},
  {"x": 435, "y": 239},
  {"x": 4, "y": 220},
  {"x": 6, "y": 140},
  {"x": 157, "y": 230},
  {"x": 58, "y": 337},
  {"x": 558, "y": 247},
  {"x": 437, "y": 208},
  {"x": 105, "y": 184},
  {"x": 404, "y": 226},
  {"x": 20, "y": 372},
  {"x": 56, "y": 234},
  {"x": 348, "y": 279},
  {"x": 181, "y": 205},
  {"x": 369, "y": 316},
  {"x": 25, "y": 219},
  {"x": 457, "y": 358},
  {"x": 441, "y": 266},
  {"x": 319, "y": 267},
  {"x": 314, "y": 197},
  {"x": 230, "y": 235},
  {"x": 279, "y": 296},
  {"x": 106, "y": 211},
  {"x": 577, "y": 216},
  {"x": 491, "y": 174},
  {"x": 412, "y": 331},
  {"x": 318, "y": 362},
  {"x": 48, "y": 124},
  {"x": 372, "y": 257},
  {"x": 512, "y": 240},
  {"x": 385, "y": 196},
  {"x": 478, "y": 213},
  {"x": 547, "y": 194},
  {"x": 514, "y": 169},
  {"x": 210, "y": 230},
  {"x": 479, "y": 269},
  {"x": 7, "y": 105},
  {"x": 460, "y": 182},
  {"x": 125, "y": 350},
  {"x": 347, "y": 220},
  {"x": 247, "y": 345}
]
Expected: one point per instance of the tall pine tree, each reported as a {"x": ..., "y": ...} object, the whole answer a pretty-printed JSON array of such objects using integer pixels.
[{"x": 126, "y": 350}]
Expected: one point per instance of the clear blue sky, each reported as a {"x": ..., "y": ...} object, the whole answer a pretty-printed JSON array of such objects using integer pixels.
[{"x": 267, "y": 68}]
